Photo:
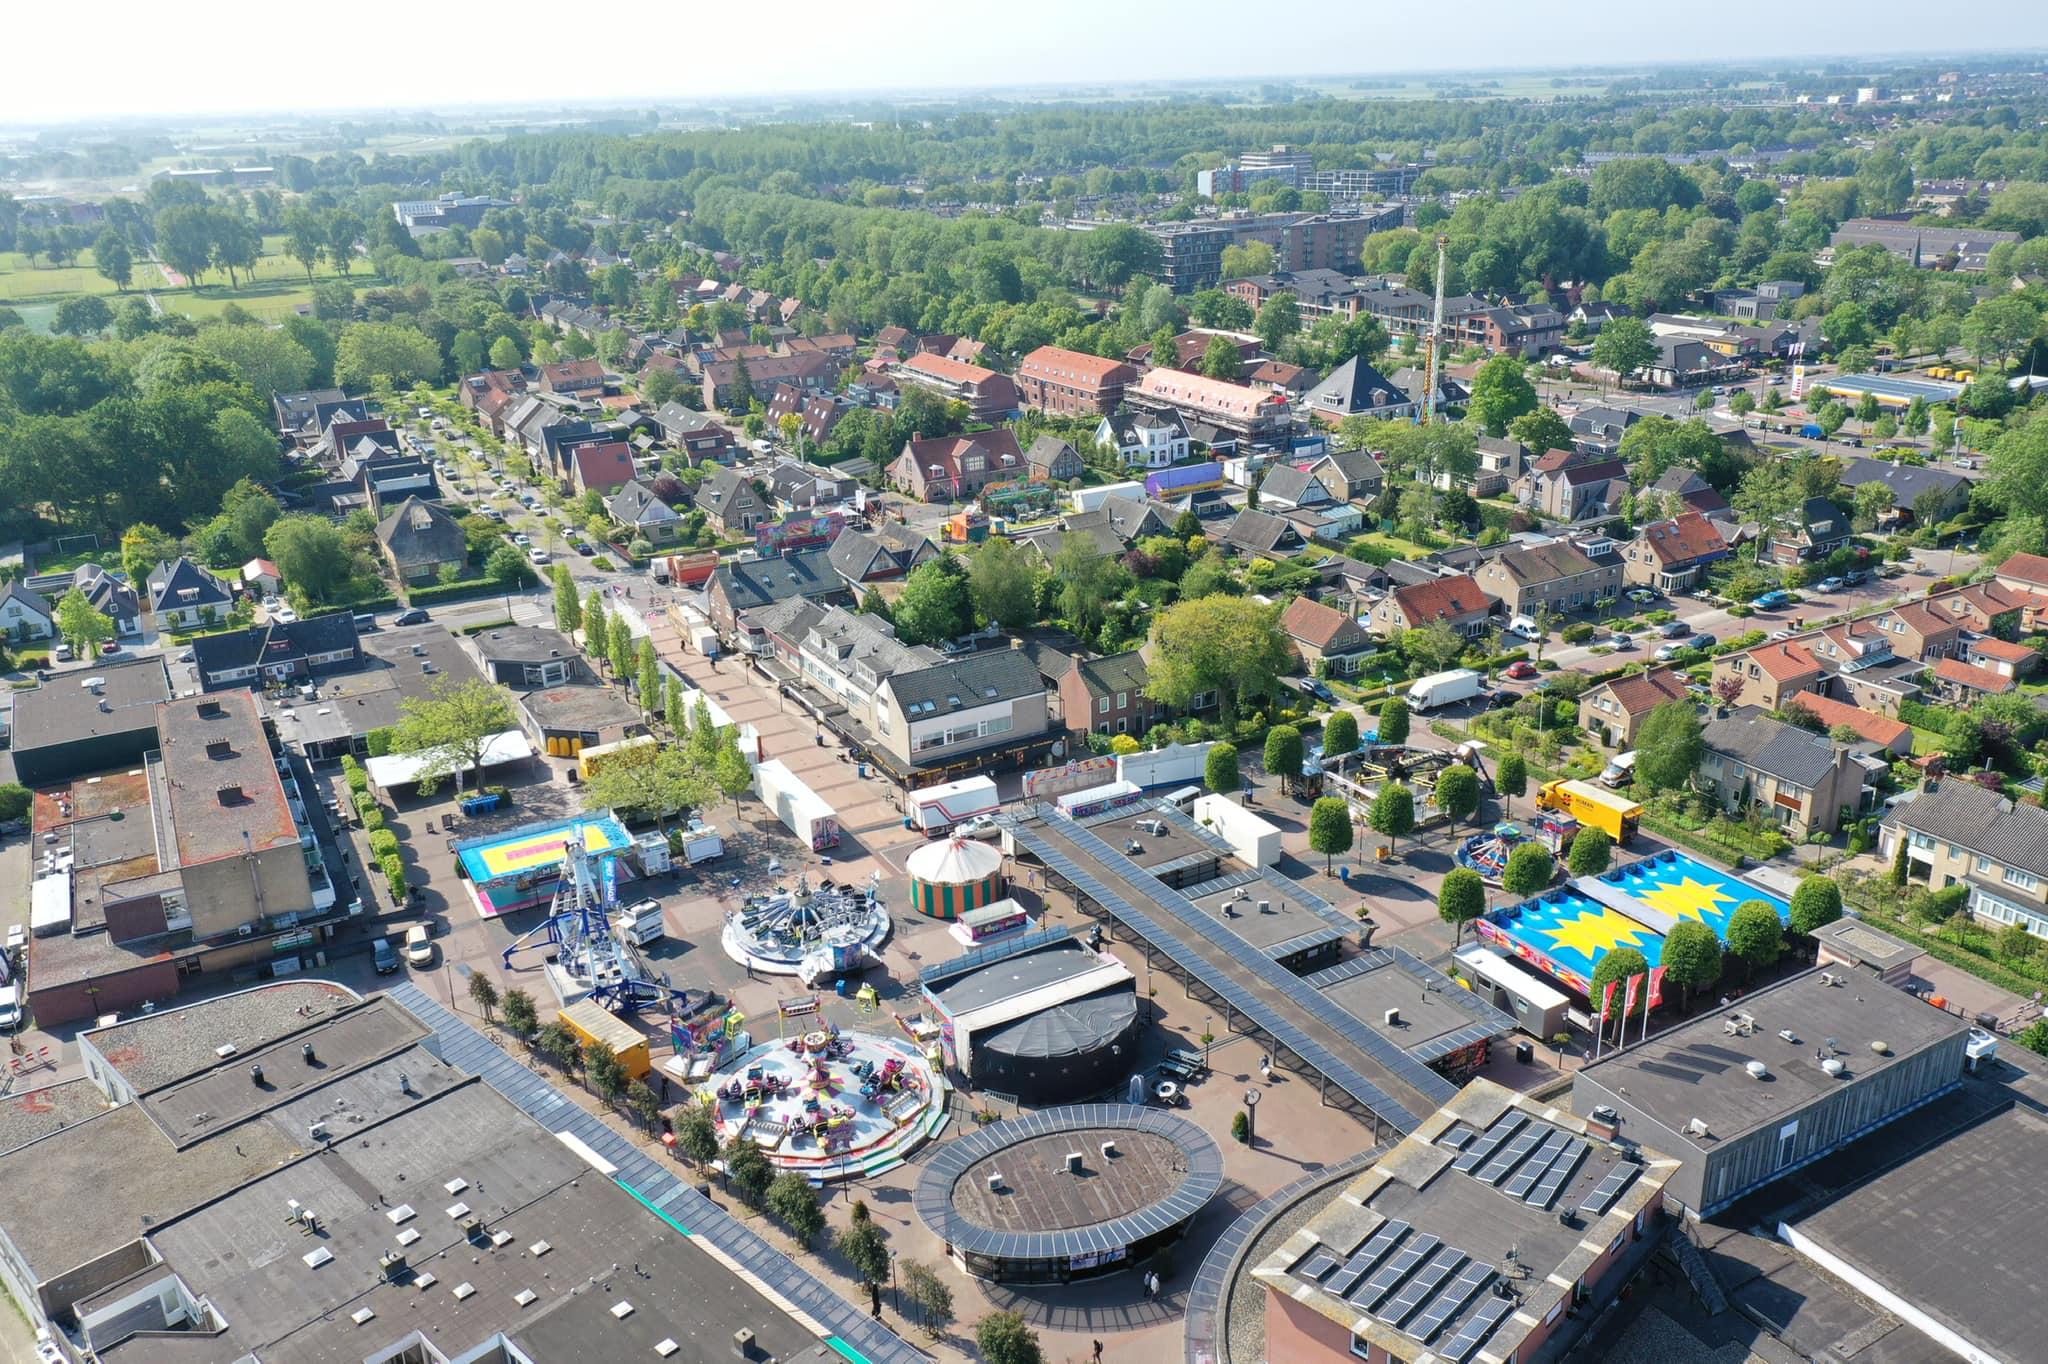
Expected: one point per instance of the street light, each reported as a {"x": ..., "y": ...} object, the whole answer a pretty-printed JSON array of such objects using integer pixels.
[{"x": 1251, "y": 1117}]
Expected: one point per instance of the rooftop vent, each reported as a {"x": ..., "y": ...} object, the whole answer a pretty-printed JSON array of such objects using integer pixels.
[
  {"x": 219, "y": 748},
  {"x": 256, "y": 1075},
  {"x": 1833, "y": 1067},
  {"x": 1108, "y": 1150},
  {"x": 1698, "y": 1128},
  {"x": 307, "y": 1052},
  {"x": 1789, "y": 1035},
  {"x": 1881, "y": 1048},
  {"x": 1758, "y": 1070},
  {"x": 1393, "y": 1018},
  {"x": 1074, "y": 1165},
  {"x": 209, "y": 710},
  {"x": 995, "y": 1181},
  {"x": 230, "y": 793}
]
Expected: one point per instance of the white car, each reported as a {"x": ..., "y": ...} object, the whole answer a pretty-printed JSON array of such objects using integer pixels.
[
  {"x": 283, "y": 614},
  {"x": 419, "y": 945},
  {"x": 522, "y": 539},
  {"x": 539, "y": 556}
]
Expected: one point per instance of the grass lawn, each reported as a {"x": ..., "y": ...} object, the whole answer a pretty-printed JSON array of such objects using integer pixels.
[
  {"x": 1407, "y": 549},
  {"x": 271, "y": 291}
]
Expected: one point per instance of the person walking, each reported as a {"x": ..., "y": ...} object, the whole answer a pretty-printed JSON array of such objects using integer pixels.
[
  {"x": 1266, "y": 1067},
  {"x": 1097, "y": 1355}
]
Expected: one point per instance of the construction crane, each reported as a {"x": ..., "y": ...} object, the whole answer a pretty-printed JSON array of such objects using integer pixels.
[{"x": 1436, "y": 328}]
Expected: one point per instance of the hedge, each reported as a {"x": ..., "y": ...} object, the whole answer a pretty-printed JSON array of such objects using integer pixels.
[
  {"x": 383, "y": 842},
  {"x": 394, "y": 874},
  {"x": 463, "y": 591}
]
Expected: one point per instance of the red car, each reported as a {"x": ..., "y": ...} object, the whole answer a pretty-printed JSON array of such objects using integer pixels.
[{"x": 1521, "y": 670}]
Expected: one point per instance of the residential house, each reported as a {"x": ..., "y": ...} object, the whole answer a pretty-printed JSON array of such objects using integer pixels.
[
  {"x": 1919, "y": 631},
  {"x": 1054, "y": 460},
  {"x": 294, "y": 413},
  {"x": 1501, "y": 462},
  {"x": 2023, "y": 573},
  {"x": 1767, "y": 675},
  {"x": 489, "y": 388},
  {"x": 887, "y": 553},
  {"x": 1682, "y": 362},
  {"x": 1356, "y": 389},
  {"x": 1328, "y": 640},
  {"x": 737, "y": 588},
  {"x": 558, "y": 700},
  {"x": 1991, "y": 608},
  {"x": 1598, "y": 430},
  {"x": 1803, "y": 782},
  {"x": 2000, "y": 656},
  {"x": 1072, "y": 383},
  {"x": 840, "y": 653},
  {"x": 1191, "y": 346},
  {"x": 419, "y": 539},
  {"x": 1288, "y": 486},
  {"x": 600, "y": 466},
  {"x": 278, "y": 653},
  {"x": 184, "y": 596},
  {"x": 798, "y": 487},
  {"x": 1959, "y": 834},
  {"x": 1885, "y": 734},
  {"x": 109, "y": 596},
  {"x": 1413, "y": 380},
  {"x": 810, "y": 372},
  {"x": 1963, "y": 684},
  {"x": 1760, "y": 304},
  {"x": 1671, "y": 556},
  {"x": 702, "y": 439},
  {"x": 1613, "y": 711},
  {"x": 1107, "y": 696},
  {"x": 1574, "y": 492},
  {"x": 1148, "y": 440},
  {"x": 24, "y": 615},
  {"x": 1921, "y": 494},
  {"x": 1924, "y": 246},
  {"x": 729, "y": 501},
  {"x": 1559, "y": 576},
  {"x": 956, "y": 468},
  {"x": 1317, "y": 293},
  {"x": 1593, "y": 316},
  {"x": 1258, "y": 415},
  {"x": 1685, "y": 487},
  {"x": 989, "y": 396},
  {"x": 1815, "y": 531},
  {"x": 980, "y": 713},
  {"x": 573, "y": 378},
  {"x": 642, "y": 515},
  {"x": 1524, "y": 329},
  {"x": 1289, "y": 380},
  {"x": 1351, "y": 475},
  {"x": 1457, "y": 601},
  {"x": 1254, "y": 533}
]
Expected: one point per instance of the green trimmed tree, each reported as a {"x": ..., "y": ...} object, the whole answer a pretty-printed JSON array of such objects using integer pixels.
[
  {"x": 1284, "y": 753},
  {"x": 1460, "y": 900},
  {"x": 1692, "y": 956},
  {"x": 1511, "y": 778},
  {"x": 1329, "y": 829},
  {"x": 1457, "y": 793},
  {"x": 791, "y": 1198},
  {"x": 1528, "y": 872},
  {"x": 747, "y": 1169},
  {"x": 648, "y": 683},
  {"x": 482, "y": 993},
  {"x": 1668, "y": 746},
  {"x": 1219, "y": 770},
  {"x": 1393, "y": 812},
  {"x": 607, "y": 1074},
  {"x": 1755, "y": 935},
  {"x": 522, "y": 1020},
  {"x": 697, "y": 1134},
  {"x": 1592, "y": 852},
  {"x": 1003, "y": 1336},
  {"x": 1393, "y": 721},
  {"x": 866, "y": 1251},
  {"x": 1340, "y": 734},
  {"x": 1817, "y": 902}
]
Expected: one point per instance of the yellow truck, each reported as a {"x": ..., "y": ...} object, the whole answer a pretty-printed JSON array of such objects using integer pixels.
[
  {"x": 1616, "y": 816},
  {"x": 591, "y": 1022}
]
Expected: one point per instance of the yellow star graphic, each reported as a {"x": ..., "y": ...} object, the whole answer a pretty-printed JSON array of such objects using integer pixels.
[
  {"x": 1596, "y": 931},
  {"x": 1689, "y": 899}
]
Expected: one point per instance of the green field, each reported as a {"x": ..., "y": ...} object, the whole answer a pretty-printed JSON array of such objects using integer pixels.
[{"x": 271, "y": 291}]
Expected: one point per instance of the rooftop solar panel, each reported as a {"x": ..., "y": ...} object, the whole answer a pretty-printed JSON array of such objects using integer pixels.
[
  {"x": 1476, "y": 1329},
  {"x": 1416, "y": 1291},
  {"x": 1489, "y": 1141},
  {"x": 1398, "y": 1267},
  {"x": 1456, "y": 1138},
  {"x": 1511, "y": 1155},
  {"x": 1602, "y": 1198},
  {"x": 1365, "y": 1257},
  {"x": 1450, "y": 1301},
  {"x": 1317, "y": 1266},
  {"x": 1553, "y": 1179},
  {"x": 1536, "y": 1165}
]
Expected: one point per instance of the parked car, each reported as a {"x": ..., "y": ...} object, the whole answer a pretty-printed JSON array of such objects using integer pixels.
[
  {"x": 539, "y": 556},
  {"x": 1670, "y": 651},
  {"x": 1892, "y": 571},
  {"x": 415, "y": 616},
  {"x": 1521, "y": 670},
  {"x": 1856, "y": 576},
  {"x": 1772, "y": 600},
  {"x": 419, "y": 945},
  {"x": 521, "y": 540},
  {"x": 1501, "y": 700},
  {"x": 1319, "y": 689},
  {"x": 1641, "y": 596},
  {"x": 384, "y": 956},
  {"x": 1621, "y": 644},
  {"x": 584, "y": 548},
  {"x": 1703, "y": 640},
  {"x": 1672, "y": 629},
  {"x": 1831, "y": 584},
  {"x": 110, "y": 648}
]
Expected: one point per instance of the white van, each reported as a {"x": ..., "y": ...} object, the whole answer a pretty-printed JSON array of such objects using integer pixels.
[
  {"x": 1184, "y": 799},
  {"x": 10, "y": 1005},
  {"x": 1525, "y": 627},
  {"x": 1620, "y": 772}
]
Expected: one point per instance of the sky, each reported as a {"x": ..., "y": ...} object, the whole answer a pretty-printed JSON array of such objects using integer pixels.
[{"x": 410, "y": 55}]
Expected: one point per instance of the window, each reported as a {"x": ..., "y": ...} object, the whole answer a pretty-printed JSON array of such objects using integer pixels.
[
  {"x": 1985, "y": 864},
  {"x": 1788, "y": 1141},
  {"x": 1102, "y": 706},
  {"x": 2022, "y": 880},
  {"x": 1361, "y": 1347},
  {"x": 1122, "y": 700}
]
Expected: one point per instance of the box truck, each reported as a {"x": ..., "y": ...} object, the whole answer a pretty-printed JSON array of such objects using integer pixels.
[
  {"x": 640, "y": 922},
  {"x": 1616, "y": 816},
  {"x": 1444, "y": 689},
  {"x": 686, "y": 570},
  {"x": 797, "y": 806},
  {"x": 936, "y": 809},
  {"x": 701, "y": 843}
]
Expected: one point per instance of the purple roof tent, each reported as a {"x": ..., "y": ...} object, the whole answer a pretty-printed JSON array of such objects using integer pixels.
[{"x": 1184, "y": 480}]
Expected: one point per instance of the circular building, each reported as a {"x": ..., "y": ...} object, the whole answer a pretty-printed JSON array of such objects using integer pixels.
[
  {"x": 955, "y": 875},
  {"x": 1047, "y": 1020},
  {"x": 1068, "y": 1193}
]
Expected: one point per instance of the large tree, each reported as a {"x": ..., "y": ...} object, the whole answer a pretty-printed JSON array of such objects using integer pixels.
[
  {"x": 1501, "y": 392},
  {"x": 1220, "y": 771},
  {"x": 1592, "y": 851},
  {"x": 1393, "y": 721},
  {"x": 1223, "y": 360},
  {"x": 1529, "y": 871},
  {"x": 389, "y": 351},
  {"x": 1816, "y": 902},
  {"x": 1692, "y": 956},
  {"x": 1393, "y": 813},
  {"x": 1624, "y": 345},
  {"x": 449, "y": 729},
  {"x": 1232, "y": 646},
  {"x": 1668, "y": 746},
  {"x": 937, "y": 604},
  {"x": 311, "y": 552},
  {"x": 1329, "y": 828},
  {"x": 112, "y": 258},
  {"x": 1088, "y": 580},
  {"x": 1285, "y": 753},
  {"x": 1617, "y": 966},
  {"x": 1004, "y": 585},
  {"x": 81, "y": 624},
  {"x": 1754, "y": 933},
  {"x": 1457, "y": 793},
  {"x": 1460, "y": 900}
]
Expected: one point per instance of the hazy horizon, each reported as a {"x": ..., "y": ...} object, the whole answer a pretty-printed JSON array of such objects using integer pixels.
[{"x": 252, "y": 58}]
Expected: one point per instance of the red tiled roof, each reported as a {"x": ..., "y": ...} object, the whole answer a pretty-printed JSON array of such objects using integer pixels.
[
  {"x": 1550, "y": 461},
  {"x": 2028, "y": 568},
  {"x": 1640, "y": 693},
  {"x": 1312, "y": 621},
  {"x": 953, "y": 371},
  {"x": 1784, "y": 660},
  {"x": 1204, "y": 394},
  {"x": 604, "y": 464},
  {"x": 1683, "y": 539},
  {"x": 1442, "y": 599},
  {"x": 1058, "y": 363},
  {"x": 1868, "y": 724},
  {"x": 2001, "y": 648},
  {"x": 948, "y": 451},
  {"x": 1976, "y": 679},
  {"x": 1923, "y": 618}
]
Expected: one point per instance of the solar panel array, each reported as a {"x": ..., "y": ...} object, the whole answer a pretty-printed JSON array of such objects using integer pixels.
[
  {"x": 1489, "y": 1141},
  {"x": 1476, "y": 1329},
  {"x": 1602, "y": 1198},
  {"x": 1250, "y": 988},
  {"x": 1367, "y": 1256},
  {"x": 974, "y": 960},
  {"x": 1397, "y": 1268},
  {"x": 1410, "y": 1280},
  {"x": 1524, "y": 1160},
  {"x": 1451, "y": 1301},
  {"x": 1417, "y": 1290}
]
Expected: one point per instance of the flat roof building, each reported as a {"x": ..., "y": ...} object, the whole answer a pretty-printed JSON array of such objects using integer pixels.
[
  {"x": 1749, "y": 1093},
  {"x": 87, "y": 720},
  {"x": 1469, "y": 1240}
]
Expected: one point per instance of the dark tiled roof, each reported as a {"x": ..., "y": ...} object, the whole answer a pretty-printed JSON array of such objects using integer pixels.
[
  {"x": 1965, "y": 814},
  {"x": 1784, "y": 751},
  {"x": 998, "y": 674},
  {"x": 1124, "y": 672},
  {"x": 792, "y": 575}
]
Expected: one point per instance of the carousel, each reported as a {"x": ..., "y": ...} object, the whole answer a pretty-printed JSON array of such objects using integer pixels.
[
  {"x": 813, "y": 935},
  {"x": 829, "y": 1104},
  {"x": 1487, "y": 852}
]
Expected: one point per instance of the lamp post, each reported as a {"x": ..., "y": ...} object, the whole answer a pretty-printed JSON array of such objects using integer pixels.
[{"x": 1251, "y": 1117}]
